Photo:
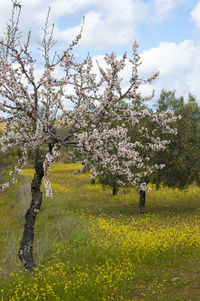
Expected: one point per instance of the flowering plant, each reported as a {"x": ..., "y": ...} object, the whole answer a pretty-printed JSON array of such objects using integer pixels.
[{"x": 34, "y": 107}]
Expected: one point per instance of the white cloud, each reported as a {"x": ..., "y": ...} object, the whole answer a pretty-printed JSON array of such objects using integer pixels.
[
  {"x": 31, "y": 3},
  {"x": 5, "y": 14},
  {"x": 163, "y": 9},
  {"x": 179, "y": 66},
  {"x": 109, "y": 23},
  {"x": 112, "y": 23},
  {"x": 195, "y": 14},
  {"x": 61, "y": 7},
  {"x": 169, "y": 57}
]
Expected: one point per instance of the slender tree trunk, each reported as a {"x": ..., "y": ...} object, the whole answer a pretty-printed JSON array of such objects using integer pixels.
[
  {"x": 92, "y": 181},
  {"x": 115, "y": 188},
  {"x": 142, "y": 201},
  {"x": 26, "y": 246}
]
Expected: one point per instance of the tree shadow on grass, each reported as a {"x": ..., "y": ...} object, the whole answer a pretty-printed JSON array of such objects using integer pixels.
[{"x": 132, "y": 211}]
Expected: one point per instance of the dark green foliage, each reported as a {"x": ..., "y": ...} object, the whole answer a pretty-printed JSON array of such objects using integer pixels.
[
  {"x": 9, "y": 159},
  {"x": 110, "y": 180},
  {"x": 182, "y": 157},
  {"x": 31, "y": 154}
]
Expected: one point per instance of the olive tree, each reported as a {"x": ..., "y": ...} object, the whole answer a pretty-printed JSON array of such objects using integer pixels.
[{"x": 182, "y": 155}]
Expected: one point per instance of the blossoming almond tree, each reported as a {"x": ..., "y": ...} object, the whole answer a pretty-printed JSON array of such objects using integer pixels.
[
  {"x": 111, "y": 153},
  {"x": 33, "y": 108}
]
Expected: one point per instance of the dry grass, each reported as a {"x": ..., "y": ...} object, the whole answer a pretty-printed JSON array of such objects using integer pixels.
[{"x": 1, "y": 126}]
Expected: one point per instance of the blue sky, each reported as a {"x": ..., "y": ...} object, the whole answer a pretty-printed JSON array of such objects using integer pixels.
[
  {"x": 167, "y": 31},
  {"x": 177, "y": 27}
]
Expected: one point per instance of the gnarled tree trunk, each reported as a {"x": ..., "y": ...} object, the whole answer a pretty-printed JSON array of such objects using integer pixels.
[
  {"x": 26, "y": 246},
  {"x": 142, "y": 200}
]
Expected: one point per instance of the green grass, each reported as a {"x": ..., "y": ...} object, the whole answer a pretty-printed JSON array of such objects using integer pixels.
[{"x": 90, "y": 245}]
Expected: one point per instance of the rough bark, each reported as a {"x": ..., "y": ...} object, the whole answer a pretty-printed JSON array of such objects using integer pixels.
[
  {"x": 142, "y": 200},
  {"x": 26, "y": 246}
]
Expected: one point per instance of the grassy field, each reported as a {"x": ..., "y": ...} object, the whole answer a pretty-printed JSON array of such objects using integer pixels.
[{"x": 90, "y": 245}]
